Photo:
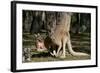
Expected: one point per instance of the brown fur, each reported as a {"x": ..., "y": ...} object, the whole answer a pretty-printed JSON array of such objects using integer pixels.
[{"x": 61, "y": 36}]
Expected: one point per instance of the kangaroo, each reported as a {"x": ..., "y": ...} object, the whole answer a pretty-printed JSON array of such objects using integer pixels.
[
  {"x": 39, "y": 43},
  {"x": 60, "y": 35}
]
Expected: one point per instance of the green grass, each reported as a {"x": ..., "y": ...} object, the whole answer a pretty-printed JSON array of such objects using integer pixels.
[{"x": 46, "y": 57}]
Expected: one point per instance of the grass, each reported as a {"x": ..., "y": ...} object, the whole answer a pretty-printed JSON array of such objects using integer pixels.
[{"x": 45, "y": 56}]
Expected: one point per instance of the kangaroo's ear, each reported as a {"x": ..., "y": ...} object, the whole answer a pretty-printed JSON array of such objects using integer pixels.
[
  {"x": 38, "y": 34},
  {"x": 35, "y": 35}
]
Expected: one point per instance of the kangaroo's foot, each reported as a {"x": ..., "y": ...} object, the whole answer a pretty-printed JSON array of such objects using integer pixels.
[{"x": 53, "y": 53}]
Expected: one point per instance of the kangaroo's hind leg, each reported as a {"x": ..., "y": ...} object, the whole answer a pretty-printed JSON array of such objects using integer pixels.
[
  {"x": 59, "y": 48},
  {"x": 64, "y": 41}
]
